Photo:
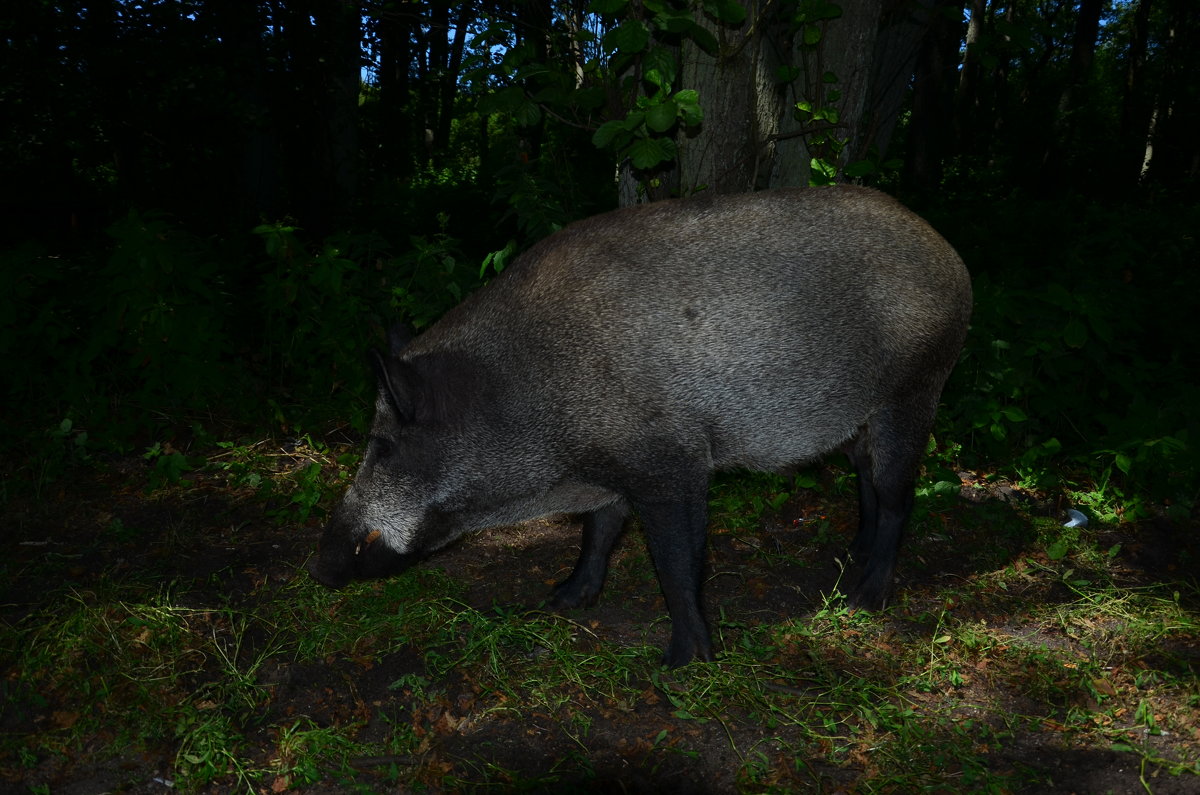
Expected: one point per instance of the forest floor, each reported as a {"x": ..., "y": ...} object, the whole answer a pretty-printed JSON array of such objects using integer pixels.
[{"x": 171, "y": 639}]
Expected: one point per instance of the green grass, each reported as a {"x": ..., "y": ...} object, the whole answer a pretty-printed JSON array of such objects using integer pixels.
[{"x": 1042, "y": 635}]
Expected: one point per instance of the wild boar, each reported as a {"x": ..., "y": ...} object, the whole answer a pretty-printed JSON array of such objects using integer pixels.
[{"x": 617, "y": 364}]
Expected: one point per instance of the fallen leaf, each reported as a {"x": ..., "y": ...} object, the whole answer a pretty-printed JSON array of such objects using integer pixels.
[{"x": 64, "y": 719}]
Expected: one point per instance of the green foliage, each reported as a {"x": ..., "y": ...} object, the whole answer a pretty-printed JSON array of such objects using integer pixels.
[
  {"x": 280, "y": 683},
  {"x": 317, "y": 308},
  {"x": 148, "y": 323},
  {"x": 168, "y": 301},
  {"x": 636, "y": 60},
  {"x": 1077, "y": 351},
  {"x": 167, "y": 466},
  {"x": 182, "y": 324},
  {"x": 741, "y": 500}
]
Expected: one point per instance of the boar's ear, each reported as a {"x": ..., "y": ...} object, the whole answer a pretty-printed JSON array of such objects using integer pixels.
[
  {"x": 399, "y": 335},
  {"x": 397, "y": 385}
]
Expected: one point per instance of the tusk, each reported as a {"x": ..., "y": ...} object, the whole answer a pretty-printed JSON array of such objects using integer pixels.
[{"x": 371, "y": 538}]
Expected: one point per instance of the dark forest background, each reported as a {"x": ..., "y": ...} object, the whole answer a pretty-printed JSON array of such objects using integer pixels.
[{"x": 211, "y": 210}]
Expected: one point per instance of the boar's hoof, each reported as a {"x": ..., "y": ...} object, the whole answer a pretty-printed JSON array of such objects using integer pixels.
[
  {"x": 868, "y": 597},
  {"x": 685, "y": 649},
  {"x": 571, "y": 593}
]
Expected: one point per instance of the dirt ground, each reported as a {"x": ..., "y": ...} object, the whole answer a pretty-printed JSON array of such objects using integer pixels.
[{"x": 221, "y": 547}]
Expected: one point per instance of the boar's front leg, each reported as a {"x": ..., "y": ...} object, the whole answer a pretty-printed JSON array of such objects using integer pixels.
[
  {"x": 601, "y": 528},
  {"x": 676, "y": 535}
]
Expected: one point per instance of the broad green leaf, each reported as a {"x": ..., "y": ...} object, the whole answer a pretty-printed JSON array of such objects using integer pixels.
[
  {"x": 589, "y": 98},
  {"x": 527, "y": 114},
  {"x": 661, "y": 118},
  {"x": 631, "y": 36},
  {"x": 691, "y": 114},
  {"x": 1014, "y": 414},
  {"x": 634, "y": 120},
  {"x": 649, "y": 152},
  {"x": 704, "y": 38},
  {"x": 1058, "y": 550},
  {"x": 726, "y": 11},
  {"x": 947, "y": 487},
  {"x": 660, "y": 67},
  {"x": 813, "y": 10},
  {"x": 504, "y": 100},
  {"x": 609, "y": 131},
  {"x": 1075, "y": 335}
]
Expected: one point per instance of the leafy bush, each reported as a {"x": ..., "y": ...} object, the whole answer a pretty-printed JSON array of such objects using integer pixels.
[
  {"x": 1080, "y": 346},
  {"x": 159, "y": 324}
]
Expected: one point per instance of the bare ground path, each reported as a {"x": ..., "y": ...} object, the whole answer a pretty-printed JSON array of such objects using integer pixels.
[{"x": 172, "y": 640}]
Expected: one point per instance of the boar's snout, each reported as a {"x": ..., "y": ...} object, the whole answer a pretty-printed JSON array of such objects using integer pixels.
[
  {"x": 334, "y": 565},
  {"x": 342, "y": 558}
]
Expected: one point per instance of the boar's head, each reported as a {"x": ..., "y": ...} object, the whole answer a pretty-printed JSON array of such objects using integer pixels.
[{"x": 398, "y": 508}]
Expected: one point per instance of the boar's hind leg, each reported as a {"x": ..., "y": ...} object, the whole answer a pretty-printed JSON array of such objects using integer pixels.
[
  {"x": 601, "y": 528},
  {"x": 675, "y": 534},
  {"x": 885, "y": 454}
]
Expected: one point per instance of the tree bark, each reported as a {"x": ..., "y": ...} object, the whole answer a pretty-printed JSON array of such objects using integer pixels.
[
  {"x": 905, "y": 27},
  {"x": 1074, "y": 94},
  {"x": 929, "y": 132},
  {"x": 1176, "y": 138},
  {"x": 449, "y": 80},
  {"x": 752, "y": 136},
  {"x": 733, "y": 151},
  {"x": 397, "y": 132},
  {"x": 1135, "y": 105},
  {"x": 846, "y": 52},
  {"x": 966, "y": 100}
]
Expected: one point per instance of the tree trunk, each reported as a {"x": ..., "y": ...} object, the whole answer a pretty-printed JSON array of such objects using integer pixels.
[
  {"x": 1063, "y": 136},
  {"x": 904, "y": 29},
  {"x": 339, "y": 29},
  {"x": 733, "y": 150},
  {"x": 929, "y": 132},
  {"x": 1135, "y": 105},
  {"x": 1176, "y": 138},
  {"x": 966, "y": 101},
  {"x": 397, "y": 133},
  {"x": 849, "y": 74},
  {"x": 845, "y": 53},
  {"x": 449, "y": 80}
]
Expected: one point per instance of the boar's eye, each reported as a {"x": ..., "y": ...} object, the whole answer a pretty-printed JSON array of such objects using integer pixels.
[{"x": 381, "y": 447}]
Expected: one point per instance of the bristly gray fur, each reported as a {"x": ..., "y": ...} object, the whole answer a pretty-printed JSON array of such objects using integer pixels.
[{"x": 621, "y": 361}]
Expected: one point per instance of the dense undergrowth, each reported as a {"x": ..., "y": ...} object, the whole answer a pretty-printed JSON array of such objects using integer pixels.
[
  {"x": 172, "y": 638},
  {"x": 1079, "y": 370},
  {"x": 180, "y": 427}
]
